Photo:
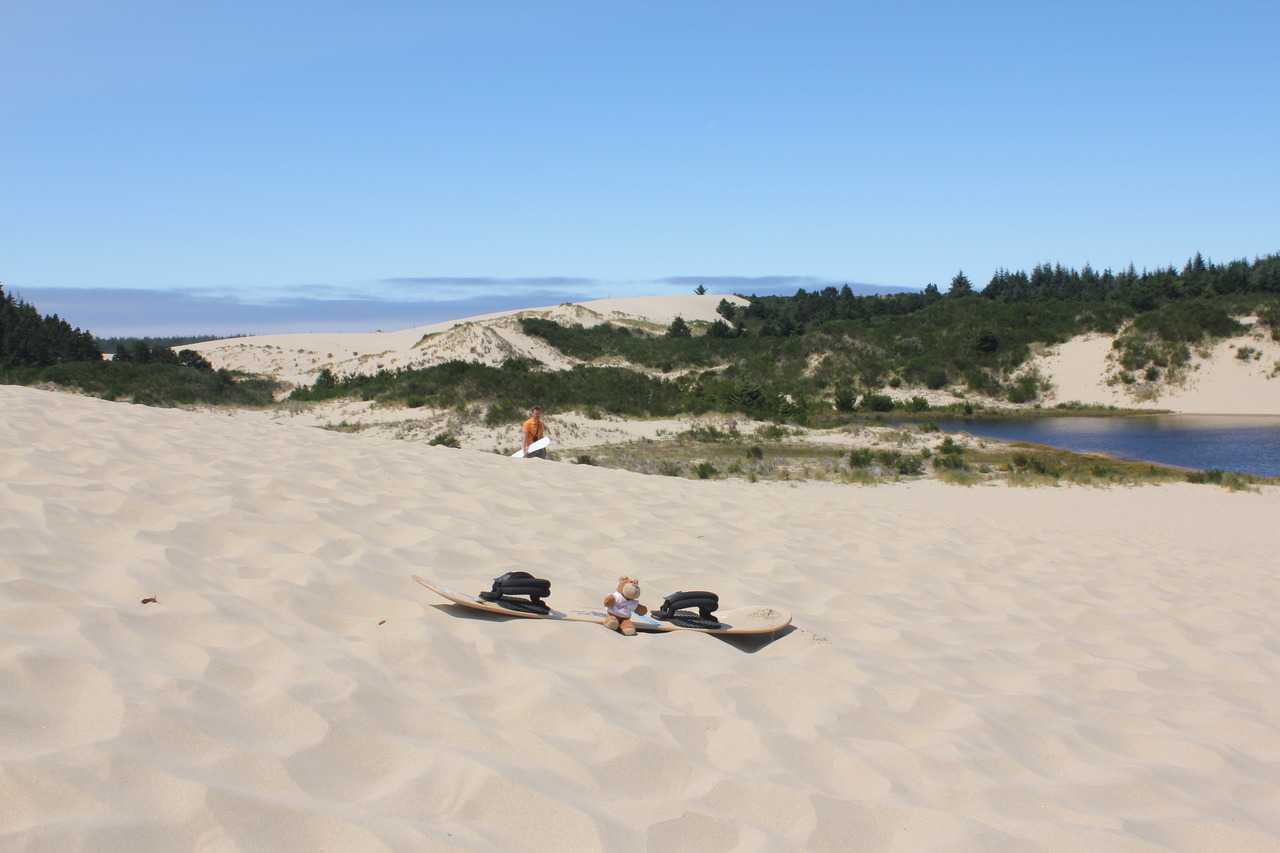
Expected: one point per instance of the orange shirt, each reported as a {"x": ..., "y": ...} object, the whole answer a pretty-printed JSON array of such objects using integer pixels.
[{"x": 535, "y": 428}]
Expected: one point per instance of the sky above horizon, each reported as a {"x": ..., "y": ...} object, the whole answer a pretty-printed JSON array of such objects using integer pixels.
[{"x": 235, "y": 167}]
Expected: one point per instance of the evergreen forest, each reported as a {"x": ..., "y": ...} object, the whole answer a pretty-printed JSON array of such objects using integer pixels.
[
  {"x": 37, "y": 349},
  {"x": 28, "y": 339}
]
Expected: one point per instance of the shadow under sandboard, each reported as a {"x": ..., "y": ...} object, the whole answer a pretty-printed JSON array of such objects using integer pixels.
[{"x": 752, "y": 643}]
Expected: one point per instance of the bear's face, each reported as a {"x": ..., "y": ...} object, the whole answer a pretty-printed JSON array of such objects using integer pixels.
[{"x": 629, "y": 588}]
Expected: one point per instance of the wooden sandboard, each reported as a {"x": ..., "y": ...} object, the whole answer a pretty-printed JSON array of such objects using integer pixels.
[
  {"x": 512, "y": 607},
  {"x": 740, "y": 620}
]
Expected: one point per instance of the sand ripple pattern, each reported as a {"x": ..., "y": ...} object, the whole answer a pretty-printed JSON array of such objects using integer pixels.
[{"x": 970, "y": 669}]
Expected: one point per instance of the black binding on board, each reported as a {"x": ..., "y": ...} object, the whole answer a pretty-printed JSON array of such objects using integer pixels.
[
  {"x": 678, "y": 606},
  {"x": 519, "y": 583}
]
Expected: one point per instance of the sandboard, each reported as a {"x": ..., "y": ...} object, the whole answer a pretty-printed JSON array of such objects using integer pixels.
[
  {"x": 513, "y": 606},
  {"x": 537, "y": 445},
  {"x": 740, "y": 620}
]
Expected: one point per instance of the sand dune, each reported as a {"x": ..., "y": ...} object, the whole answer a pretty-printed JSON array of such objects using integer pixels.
[
  {"x": 969, "y": 669},
  {"x": 1083, "y": 370},
  {"x": 490, "y": 339},
  {"x": 1219, "y": 382}
]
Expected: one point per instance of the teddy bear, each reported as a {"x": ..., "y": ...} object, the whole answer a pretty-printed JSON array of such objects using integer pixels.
[{"x": 621, "y": 604}]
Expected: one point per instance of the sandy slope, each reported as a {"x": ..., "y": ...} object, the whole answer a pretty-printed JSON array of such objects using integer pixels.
[
  {"x": 971, "y": 669},
  {"x": 489, "y": 339},
  {"x": 1082, "y": 370},
  {"x": 1219, "y": 382}
]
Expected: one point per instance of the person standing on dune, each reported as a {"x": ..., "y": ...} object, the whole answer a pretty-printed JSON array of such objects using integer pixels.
[{"x": 534, "y": 429}]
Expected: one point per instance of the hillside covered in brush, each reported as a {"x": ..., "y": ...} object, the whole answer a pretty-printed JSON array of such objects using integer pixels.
[{"x": 816, "y": 356}]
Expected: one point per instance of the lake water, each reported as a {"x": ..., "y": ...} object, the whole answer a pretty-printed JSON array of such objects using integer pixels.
[{"x": 1249, "y": 445}]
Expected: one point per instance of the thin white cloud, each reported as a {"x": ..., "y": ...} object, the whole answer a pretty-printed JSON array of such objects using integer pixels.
[{"x": 397, "y": 303}]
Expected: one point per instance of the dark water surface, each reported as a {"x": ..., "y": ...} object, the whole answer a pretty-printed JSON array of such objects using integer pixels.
[{"x": 1249, "y": 445}]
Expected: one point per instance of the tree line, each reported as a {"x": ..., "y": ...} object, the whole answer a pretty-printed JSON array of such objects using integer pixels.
[
  {"x": 1132, "y": 291},
  {"x": 109, "y": 346},
  {"x": 140, "y": 352},
  {"x": 28, "y": 339},
  {"x": 36, "y": 349}
]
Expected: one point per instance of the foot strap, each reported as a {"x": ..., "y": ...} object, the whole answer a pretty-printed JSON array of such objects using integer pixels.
[
  {"x": 519, "y": 583},
  {"x": 679, "y": 606}
]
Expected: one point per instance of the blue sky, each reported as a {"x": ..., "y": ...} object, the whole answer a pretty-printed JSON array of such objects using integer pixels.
[{"x": 223, "y": 167}]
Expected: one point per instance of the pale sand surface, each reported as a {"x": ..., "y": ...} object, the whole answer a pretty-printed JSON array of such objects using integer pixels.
[
  {"x": 986, "y": 669},
  {"x": 1218, "y": 382},
  {"x": 489, "y": 338}
]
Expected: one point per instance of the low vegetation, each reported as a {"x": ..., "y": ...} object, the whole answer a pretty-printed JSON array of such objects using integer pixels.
[
  {"x": 110, "y": 346},
  {"x": 36, "y": 350},
  {"x": 149, "y": 384},
  {"x": 897, "y": 456}
]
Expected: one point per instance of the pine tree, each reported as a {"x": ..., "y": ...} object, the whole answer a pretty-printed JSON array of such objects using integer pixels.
[
  {"x": 960, "y": 285},
  {"x": 29, "y": 340}
]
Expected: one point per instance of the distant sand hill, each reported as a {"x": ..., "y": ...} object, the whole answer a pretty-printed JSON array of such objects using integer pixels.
[
  {"x": 489, "y": 339},
  {"x": 1082, "y": 370}
]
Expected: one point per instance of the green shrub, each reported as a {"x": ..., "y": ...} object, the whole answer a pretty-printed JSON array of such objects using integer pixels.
[
  {"x": 888, "y": 459},
  {"x": 873, "y": 402},
  {"x": 846, "y": 400},
  {"x": 325, "y": 381},
  {"x": 909, "y": 466},
  {"x": 444, "y": 439},
  {"x": 860, "y": 458},
  {"x": 503, "y": 413},
  {"x": 774, "y": 432},
  {"x": 1026, "y": 388}
]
